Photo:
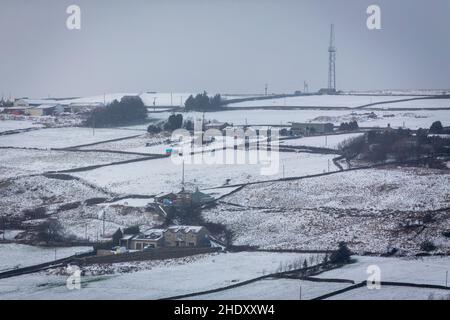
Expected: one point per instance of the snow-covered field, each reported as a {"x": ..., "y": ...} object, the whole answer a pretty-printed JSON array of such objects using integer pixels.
[
  {"x": 63, "y": 137},
  {"x": 18, "y": 162},
  {"x": 331, "y": 141},
  {"x": 38, "y": 191},
  {"x": 319, "y": 101},
  {"x": 162, "y": 279},
  {"x": 393, "y": 293},
  {"x": 166, "y": 280},
  {"x": 163, "y": 175},
  {"x": 420, "y": 270},
  {"x": 8, "y": 125},
  {"x": 373, "y": 189},
  {"x": 275, "y": 289},
  {"x": 149, "y": 99},
  {"x": 365, "y": 118},
  {"x": 363, "y": 208},
  {"x": 417, "y": 104},
  {"x": 18, "y": 255}
]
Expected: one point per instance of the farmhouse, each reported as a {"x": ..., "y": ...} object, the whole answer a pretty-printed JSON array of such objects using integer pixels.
[
  {"x": 311, "y": 128},
  {"x": 175, "y": 236},
  {"x": 27, "y": 103},
  {"x": 185, "y": 198},
  {"x": 152, "y": 238},
  {"x": 45, "y": 110},
  {"x": 186, "y": 236}
]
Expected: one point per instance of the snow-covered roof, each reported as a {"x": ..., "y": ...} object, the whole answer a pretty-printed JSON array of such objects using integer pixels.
[
  {"x": 46, "y": 106},
  {"x": 128, "y": 236},
  {"x": 151, "y": 234},
  {"x": 38, "y": 101},
  {"x": 185, "y": 229}
]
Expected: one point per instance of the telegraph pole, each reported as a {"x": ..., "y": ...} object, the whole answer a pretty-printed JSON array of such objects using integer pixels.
[{"x": 182, "y": 175}]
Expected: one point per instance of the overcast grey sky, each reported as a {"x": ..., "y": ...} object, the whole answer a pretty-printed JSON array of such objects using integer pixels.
[{"x": 233, "y": 46}]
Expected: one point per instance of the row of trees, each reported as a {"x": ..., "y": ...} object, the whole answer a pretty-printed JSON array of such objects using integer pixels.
[
  {"x": 399, "y": 144},
  {"x": 349, "y": 126},
  {"x": 129, "y": 110},
  {"x": 174, "y": 122},
  {"x": 202, "y": 102}
]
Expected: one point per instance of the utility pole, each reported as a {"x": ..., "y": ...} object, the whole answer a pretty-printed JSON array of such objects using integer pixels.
[
  {"x": 182, "y": 176},
  {"x": 446, "y": 278},
  {"x": 300, "y": 292},
  {"x": 55, "y": 254},
  {"x": 85, "y": 231},
  {"x": 93, "y": 123},
  {"x": 326, "y": 141},
  {"x": 266, "y": 89},
  {"x": 4, "y": 227},
  {"x": 104, "y": 218}
]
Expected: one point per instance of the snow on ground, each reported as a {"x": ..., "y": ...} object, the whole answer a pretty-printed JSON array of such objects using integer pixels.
[
  {"x": 331, "y": 141},
  {"x": 137, "y": 144},
  {"x": 33, "y": 192},
  {"x": 318, "y": 101},
  {"x": 373, "y": 189},
  {"x": 86, "y": 222},
  {"x": 421, "y": 270},
  {"x": 160, "y": 99},
  {"x": 275, "y": 289},
  {"x": 104, "y": 98},
  {"x": 63, "y": 137},
  {"x": 17, "y": 162},
  {"x": 163, "y": 175},
  {"x": 393, "y": 293},
  {"x": 209, "y": 272},
  {"x": 18, "y": 255},
  {"x": 8, "y": 125},
  {"x": 365, "y": 118},
  {"x": 417, "y": 104},
  {"x": 364, "y": 208}
]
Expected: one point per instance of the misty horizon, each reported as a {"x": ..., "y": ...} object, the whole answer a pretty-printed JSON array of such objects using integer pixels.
[{"x": 233, "y": 47}]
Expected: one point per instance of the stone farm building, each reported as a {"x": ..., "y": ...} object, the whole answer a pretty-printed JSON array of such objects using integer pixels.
[
  {"x": 311, "y": 128},
  {"x": 174, "y": 236}
]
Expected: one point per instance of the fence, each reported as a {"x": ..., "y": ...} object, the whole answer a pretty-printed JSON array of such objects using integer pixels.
[{"x": 155, "y": 254}]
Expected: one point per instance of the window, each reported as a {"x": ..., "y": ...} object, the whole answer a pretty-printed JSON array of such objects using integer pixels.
[{"x": 191, "y": 244}]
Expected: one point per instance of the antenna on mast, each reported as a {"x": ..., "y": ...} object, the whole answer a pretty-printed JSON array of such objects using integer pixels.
[{"x": 332, "y": 62}]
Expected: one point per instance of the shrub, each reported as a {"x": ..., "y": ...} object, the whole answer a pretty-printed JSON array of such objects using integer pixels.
[
  {"x": 36, "y": 213},
  {"x": 446, "y": 233},
  {"x": 436, "y": 127},
  {"x": 153, "y": 129},
  {"x": 130, "y": 109},
  {"x": 175, "y": 122},
  {"x": 50, "y": 231},
  {"x": 201, "y": 102},
  {"x": 428, "y": 218},
  {"x": 341, "y": 255},
  {"x": 427, "y": 246},
  {"x": 349, "y": 126}
]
